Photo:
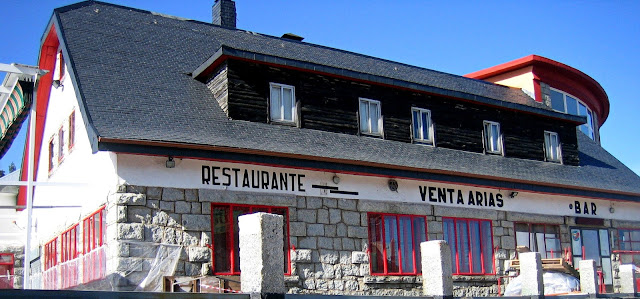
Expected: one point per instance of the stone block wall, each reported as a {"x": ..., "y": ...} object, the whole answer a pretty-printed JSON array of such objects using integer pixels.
[
  {"x": 328, "y": 237},
  {"x": 18, "y": 262}
]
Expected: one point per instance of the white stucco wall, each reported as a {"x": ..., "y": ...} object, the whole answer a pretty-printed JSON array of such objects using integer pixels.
[
  {"x": 188, "y": 173},
  {"x": 93, "y": 175},
  {"x": 522, "y": 78}
]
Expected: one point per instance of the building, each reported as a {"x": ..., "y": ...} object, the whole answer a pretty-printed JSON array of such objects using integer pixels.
[{"x": 170, "y": 129}]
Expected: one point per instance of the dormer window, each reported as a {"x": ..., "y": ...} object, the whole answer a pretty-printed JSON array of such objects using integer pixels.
[
  {"x": 370, "y": 117},
  {"x": 282, "y": 103},
  {"x": 422, "y": 126},
  {"x": 552, "y": 150},
  {"x": 492, "y": 138}
]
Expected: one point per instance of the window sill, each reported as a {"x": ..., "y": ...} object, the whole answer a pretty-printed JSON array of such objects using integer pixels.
[
  {"x": 385, "y": 279},
  {"x": 284, "y": 123},
  {"x": 378, "y": 135},
  {"x": 476, "y": 278},
  {"x": 424, "y": 142}
]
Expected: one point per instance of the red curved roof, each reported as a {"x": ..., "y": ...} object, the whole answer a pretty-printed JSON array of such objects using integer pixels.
[{"x": 557, "y": 75}]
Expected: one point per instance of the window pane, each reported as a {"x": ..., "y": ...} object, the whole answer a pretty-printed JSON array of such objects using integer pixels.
[
  {"x": 590, "y": 243},
  {"x": 377, "y": 255},
  {"x": 287, "y": 102},
  {"x": 557, "y": 101},
  {"x": 487, "y": 247},
  {"x": 222, "y": 256},
  {"x": 634, "y": 235},
  {"x": 419, "y": 235},
  {"x": 450, "y": 237},
  {"x": 406, "y": 244},
  {"x": 476, "y": 255},
  {"x": 572, "y": 106},
  {"x": 276, "y": 103},
  {"x": 604, "y": 242},
  {"x": 576, "y": 242},
  {"x": 463, "y": 246},
  {"x": 364, "y": 117},
  {"x": 426, "y": 124},
  {"x": 582, "y": 109},
  {"x": 374, "y": 109},
  {"x": 494, "y": 137},
  {"x": 416, "y": 125},
  {"x": 391, "y": 244}
]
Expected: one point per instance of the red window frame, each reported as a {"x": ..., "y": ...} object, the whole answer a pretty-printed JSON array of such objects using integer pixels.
[
  {"x": 627, "y": 241},
  {"x": 51, "y": 253},
  {"x": 224, "y": 230},
  {"x": 69, "y": 244},
  {"x": 464, "y": 261},
  {"x": 546, "y": 230},
  {"x": 51, "y": 154},
  {"x": 93, "y": 230},
  {"x": 388, "y": 232},
  {"x": 60, "y": 144},
  {"x": 72, "y": 129},
  {"x": 10, "y": 266}
]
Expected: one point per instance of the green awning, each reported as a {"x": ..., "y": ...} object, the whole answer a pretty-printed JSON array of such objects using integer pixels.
[{"x": 15, "y": 109}]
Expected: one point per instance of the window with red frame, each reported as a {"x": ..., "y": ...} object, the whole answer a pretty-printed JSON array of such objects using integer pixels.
[
  {"x": 471, "y": 242},
  {"x": 6, "y": 270},
  {"x": 395, "y": 243},
  {"x": 51, "y": 152},
  {"x": 69, "y": 244},
  {"x": 72, "y": 129},
  {"x": 93, "y": 230},
  {"x": 629, "y": 247},
  {"x": 224, "y": 228},
  {"x": 51, "y": 253},
  {"x": 60, "y": 144},
  {"x": 543, "y": 238}
]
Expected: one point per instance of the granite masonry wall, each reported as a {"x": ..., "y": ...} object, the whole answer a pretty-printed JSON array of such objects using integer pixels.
[
  {"x": 18, "y": 262},
  {"x": 330, "y": 237}
]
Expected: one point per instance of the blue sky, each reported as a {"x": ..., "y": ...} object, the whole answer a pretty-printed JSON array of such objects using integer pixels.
[{"x": 600, "y": 38}]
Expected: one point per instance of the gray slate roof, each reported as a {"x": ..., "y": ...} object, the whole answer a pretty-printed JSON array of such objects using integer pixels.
[{"x": 133, "y": 72}]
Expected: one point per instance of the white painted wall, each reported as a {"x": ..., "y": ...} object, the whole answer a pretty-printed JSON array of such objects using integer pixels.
[
  {"x": 151, "y": 171},
  {"x": 522, "y": 78},
  {"x": 94, "y": 174}
]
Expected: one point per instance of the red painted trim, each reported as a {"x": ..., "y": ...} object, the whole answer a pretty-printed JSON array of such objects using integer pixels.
[
  {"x": 47, "y": 62},
  {"x": 382, "y": 240},
  {"x": 89, "y": 230},
  {"x": 10, "y": 264},
  {"x": 231, "y": 238},
  {"x": 455, "y": 220},
  {"x": 537, "y": 91},
  {"x": 557, "y": 75}
]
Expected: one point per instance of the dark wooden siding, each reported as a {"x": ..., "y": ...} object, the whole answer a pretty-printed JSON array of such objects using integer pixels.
[{"x": 331, "y": 104}]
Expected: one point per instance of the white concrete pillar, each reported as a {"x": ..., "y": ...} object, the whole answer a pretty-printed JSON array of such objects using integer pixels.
[
  {"x": 531, "y": 274},
  {"x": 628, "y": 279},
  {"x": 588, "y": 277},
  {"x": 437, "y": 279},
  {"x": 261, "y": 255}
]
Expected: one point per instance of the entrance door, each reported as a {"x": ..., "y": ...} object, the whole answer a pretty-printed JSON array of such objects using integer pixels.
[{"x": 592, "y": 244}]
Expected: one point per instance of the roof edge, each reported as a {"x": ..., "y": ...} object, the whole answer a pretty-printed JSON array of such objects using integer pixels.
[{"x": 542, "y": 62}]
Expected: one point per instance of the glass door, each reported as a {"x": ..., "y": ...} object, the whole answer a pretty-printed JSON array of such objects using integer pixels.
[{"x": 592, "y": 244}]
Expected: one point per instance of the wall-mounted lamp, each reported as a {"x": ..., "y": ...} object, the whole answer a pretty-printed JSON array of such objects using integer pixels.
[
  {"x": 393, "y": 185},
  {"x": 513, "y": 194},
  {"x": 611, "y": 210},
  {"x": 335, "y": 179},
  {"x": 170, "y": 163},
  {"x": 57, "y": 83}
]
